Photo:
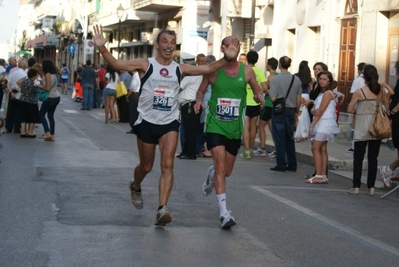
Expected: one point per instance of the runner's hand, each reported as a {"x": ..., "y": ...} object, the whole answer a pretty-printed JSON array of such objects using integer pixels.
[
  {"x": 98, "y": 36},
  {"x": 259, "y": 98},
  {"x": 231, "y": 50}
]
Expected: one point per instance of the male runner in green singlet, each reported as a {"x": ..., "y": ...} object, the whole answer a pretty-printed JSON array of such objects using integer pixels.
[{"x": 224, "y": 124}]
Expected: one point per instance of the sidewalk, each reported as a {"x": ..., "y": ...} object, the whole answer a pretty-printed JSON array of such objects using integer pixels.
[{"x": 340, "y": 161}]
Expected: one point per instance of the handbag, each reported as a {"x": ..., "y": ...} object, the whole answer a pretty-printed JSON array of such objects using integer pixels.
[
  {"x": 380, "y": 126},
  {"x": 279, "y": 103},
  {"x": 42, "y": 94},
  {"x": 120, "y": 89}
]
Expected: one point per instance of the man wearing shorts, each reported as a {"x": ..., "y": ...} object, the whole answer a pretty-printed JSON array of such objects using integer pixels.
[
  {"x": 157, "y": 123},
  {"x": 266, "y": 112},
  {"x": 224, "y": 124},
  {"x": 64, "y": 71},
  {"x": 252, "y": 111}
]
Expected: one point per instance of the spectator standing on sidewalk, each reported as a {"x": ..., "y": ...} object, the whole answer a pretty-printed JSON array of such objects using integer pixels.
[
  {"x": 88, "y": 78},
  {"x": 252, "y": 110},
  {"x": 358, "y": 83},
  {"x": 266, "y": 114},
  {"x": 101, "y": 83},
  {"x": 49, "y": 106},
  {"x": 189, "y": 119},
  {"x": 387, "y": 171},
  {"x": 201, "y": 136},
  {"x": 158, "y": 122},
  {"x": 303, "y": 123},
  {"x": 324, "y": 127},
  {"x": 132, "y": 98},
  {"x": 364, "y": 103},
  {"x": 122, "y": 104},
  {"x": 224, "y": 123},
  {"x": 283, "y": 124},
  {"x": 13, "y": 117}
]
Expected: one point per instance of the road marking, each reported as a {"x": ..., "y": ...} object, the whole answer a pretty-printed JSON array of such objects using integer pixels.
[
  {"x": 71, "y": 111},
  {"x": 311, "y": 188},
  {"x": 392, "y": 251}
]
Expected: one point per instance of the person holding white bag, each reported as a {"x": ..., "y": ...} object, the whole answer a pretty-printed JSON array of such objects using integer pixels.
[{"x": 304, "y": 75}]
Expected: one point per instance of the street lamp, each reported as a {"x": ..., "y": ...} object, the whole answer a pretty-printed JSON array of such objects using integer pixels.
[{"x": 119, "y": 13}]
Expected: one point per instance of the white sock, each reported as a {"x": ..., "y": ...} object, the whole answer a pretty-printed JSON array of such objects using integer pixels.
[
  {"x": 353, "y": 145},
  {"x": 389, "y": 170},
  {"x": 222, "y": 204}
]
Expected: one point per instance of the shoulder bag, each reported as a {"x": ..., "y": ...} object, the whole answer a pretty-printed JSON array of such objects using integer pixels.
[
  {"x": 380, "y": 126},
  {"x": 42, "y": 94},
  {"x": 279, "y": 104},
  {"x": 120, "y": 89}
]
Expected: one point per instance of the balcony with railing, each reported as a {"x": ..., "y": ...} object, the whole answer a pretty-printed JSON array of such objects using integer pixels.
[{"x": 157, "y": 6}]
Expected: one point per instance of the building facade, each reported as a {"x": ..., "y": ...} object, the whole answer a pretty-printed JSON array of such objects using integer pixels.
[{"x": 340, "y": 33}]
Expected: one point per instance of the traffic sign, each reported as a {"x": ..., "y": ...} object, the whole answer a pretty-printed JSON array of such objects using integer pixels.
[
  {"x": 202, "y": 34},
  {"x": 71, "y": 49}
]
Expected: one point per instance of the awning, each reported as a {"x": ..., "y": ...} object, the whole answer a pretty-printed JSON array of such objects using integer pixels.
[{"x": 23, "y": 52}]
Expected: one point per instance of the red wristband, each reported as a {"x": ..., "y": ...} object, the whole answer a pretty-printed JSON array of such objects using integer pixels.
[{"x": 103, "y": 50}]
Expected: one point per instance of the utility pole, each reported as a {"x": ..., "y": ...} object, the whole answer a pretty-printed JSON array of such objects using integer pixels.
[{"x": 252, "y": 30}]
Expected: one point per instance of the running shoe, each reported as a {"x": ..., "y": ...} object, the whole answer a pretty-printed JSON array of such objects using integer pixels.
[
  {"x": 259, "y": 152},
  {"x": 209, "y": 183},
  {"x": 246, "y": 155},
  {"x": 227, "y": 221},
  {"x": 390, "y": 145},
  {"x": 273, "y": 154},
  {"x": 163, "y": 217},
  {"x": 137, "y": 199},
  {"x": 350, "y": 150},
  {"x": 386, "y": 176}
]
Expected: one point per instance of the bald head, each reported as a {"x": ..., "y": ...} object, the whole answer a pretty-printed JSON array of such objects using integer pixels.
[{"x": 22, "y": 64}]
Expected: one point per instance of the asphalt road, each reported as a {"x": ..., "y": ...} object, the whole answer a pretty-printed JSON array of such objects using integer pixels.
[{"x": 67, "y": 203}]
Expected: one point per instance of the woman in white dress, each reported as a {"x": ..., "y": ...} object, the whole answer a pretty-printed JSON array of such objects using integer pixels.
[{"x": 324, "y": 126}]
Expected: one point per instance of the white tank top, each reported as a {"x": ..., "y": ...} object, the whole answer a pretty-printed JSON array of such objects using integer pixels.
[{"x": 158, "y": 94}]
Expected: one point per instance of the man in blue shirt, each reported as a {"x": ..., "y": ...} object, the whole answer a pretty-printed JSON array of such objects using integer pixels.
[{"x": 88, "y": 79}]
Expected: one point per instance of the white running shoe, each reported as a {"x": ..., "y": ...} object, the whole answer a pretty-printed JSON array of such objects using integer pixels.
[
  {"x": 386, "y": 176},
  {"x": 163, "y": 217},
  {"x": 227, "y": 221},
  {"x": 209, "y": 183},
  {"x": 137, "y": 199}
]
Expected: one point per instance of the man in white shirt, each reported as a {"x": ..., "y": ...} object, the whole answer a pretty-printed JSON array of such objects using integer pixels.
[
  {"x": 189, "y": 119},
  {"x": 12, "y": 119}
]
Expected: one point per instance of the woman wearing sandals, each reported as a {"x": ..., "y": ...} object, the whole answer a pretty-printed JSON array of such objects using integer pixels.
[
  {"x": 48, "y": 107},
  {"x": 364, "y": 103},
  {"x": 324, "y": 127}
]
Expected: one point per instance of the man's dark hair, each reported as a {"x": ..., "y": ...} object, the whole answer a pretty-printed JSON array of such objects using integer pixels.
[
  {"x": 285, "y": 62},
  {"x": 200, "y": 55},
  {"x": 170, "y": 32},
  {"x": 273, "y": 63},
  {"x": 2, "y": 61},
  {"x": 360, "y": 66},
  {"x": 63, "y": 64},
  {"x": 31, "y": 62},
  {"x": 88, "y": 63},
  {"x": 252, "y": 57}
]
